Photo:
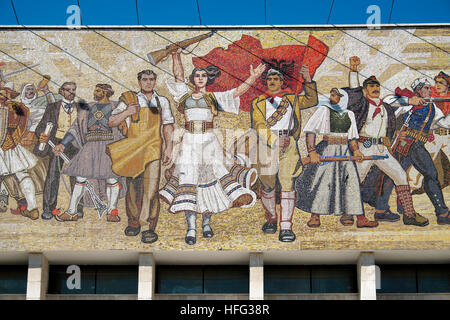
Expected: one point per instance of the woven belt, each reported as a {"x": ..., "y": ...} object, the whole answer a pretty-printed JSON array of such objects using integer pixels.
[
  {"x": 198, "y": 126},
  {"x": 372, "y": 140},
  {"x": 99, "y": 136},
  {"x": 335, "y": 140},
  {"x": 441, "y": 131},
  {"x": 415, "y": 134}
]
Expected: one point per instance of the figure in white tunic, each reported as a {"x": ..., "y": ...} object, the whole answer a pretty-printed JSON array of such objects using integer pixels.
[
  {"x": 205, "y": 179},
  {"x": 332, "y": 187}
]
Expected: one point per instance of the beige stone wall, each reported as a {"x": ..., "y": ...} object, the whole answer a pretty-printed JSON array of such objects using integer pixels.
[{"x": 237, "y": 229}]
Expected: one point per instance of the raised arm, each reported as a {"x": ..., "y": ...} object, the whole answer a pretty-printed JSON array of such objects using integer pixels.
[
  {"x": 177, "y": 66},
  {"x": 310, "y": 98},
  {"x": 254, "y": 75}
]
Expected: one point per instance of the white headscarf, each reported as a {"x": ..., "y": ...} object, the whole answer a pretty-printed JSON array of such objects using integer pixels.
[
  {"x": 26, "y": 101},
  {"x": 419, "y": 83},
  {"x": 341, "y": 107}
]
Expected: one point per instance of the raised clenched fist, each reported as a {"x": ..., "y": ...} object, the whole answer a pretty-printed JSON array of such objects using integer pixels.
[{"x": 354, "y": 63}]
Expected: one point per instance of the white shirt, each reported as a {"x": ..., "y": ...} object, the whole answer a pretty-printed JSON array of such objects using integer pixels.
[
  {"x": 376, "y": 127},
  {"x": 283, "y": 123},
  {"x": 226, "y": 101}
]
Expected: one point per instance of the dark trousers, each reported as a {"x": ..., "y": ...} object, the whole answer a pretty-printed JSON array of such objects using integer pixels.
[
  {"x": 142, "y": 197},
  {"x": 421, "y": 160},
  {"x": 51, "y": 186}
]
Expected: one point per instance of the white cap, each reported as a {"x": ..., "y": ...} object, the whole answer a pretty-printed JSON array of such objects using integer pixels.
[
  {"x": 419, "y": 83},
  {"x": 9, "y": 85}
]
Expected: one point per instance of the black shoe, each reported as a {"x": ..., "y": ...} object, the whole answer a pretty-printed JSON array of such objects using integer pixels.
[
  {"x": 208, "y": 233},
  {"x": 269, "y": 227},
  {"x": 149, "y": 236},
  {"x": 443, "y": 220},
  {"x": 190, "y": 240},
  {"x": 286, "y": 236},
  {"x": 46, "y": 215},
  {"x": 131, "y": 232},
  {"x": 417, "y": 220},
  {"x": 80, "y": 215},
  {"x": 387, "y": 216}
]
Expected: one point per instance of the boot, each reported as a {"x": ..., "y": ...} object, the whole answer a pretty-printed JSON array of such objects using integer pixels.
[
  {"x": 363, "y": 222},
  {"x": 287, "y": 211},
  {"x": 268, "y": 203},
  {"x": 410, "y": 216},
  {"x": 314, "y": 221}
]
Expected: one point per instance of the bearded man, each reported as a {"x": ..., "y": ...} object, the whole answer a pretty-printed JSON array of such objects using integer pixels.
[{"x": 91, "y": 134}]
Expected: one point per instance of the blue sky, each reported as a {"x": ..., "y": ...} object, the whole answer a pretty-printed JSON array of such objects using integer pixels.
[{"x": 229, "y": 12}]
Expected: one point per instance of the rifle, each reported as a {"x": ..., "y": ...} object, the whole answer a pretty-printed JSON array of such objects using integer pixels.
[
  {"x": 156, "y": 56},
  {"x": 437, "y": 99},
  {"x": 307, "y": 160}
]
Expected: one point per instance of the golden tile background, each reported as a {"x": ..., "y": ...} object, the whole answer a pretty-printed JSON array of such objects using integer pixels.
[{"x": 235, "y": 229}]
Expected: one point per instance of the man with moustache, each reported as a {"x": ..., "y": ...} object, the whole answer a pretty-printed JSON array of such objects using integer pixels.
[
  {"x": 91, "y": 134},
  {"x": 410, "y": 149},
  {"x": 276, "y": 117},
  {"x": 376, "y": 126},
  {"x": 61, "y": 114}
]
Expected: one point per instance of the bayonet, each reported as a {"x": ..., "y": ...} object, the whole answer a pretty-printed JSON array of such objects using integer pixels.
[{"x": 7, "y": 75}]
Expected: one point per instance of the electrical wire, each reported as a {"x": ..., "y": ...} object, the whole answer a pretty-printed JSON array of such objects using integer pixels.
[
  {"x": 14, "y": 10},
  {"x": 331, "y": 9}
]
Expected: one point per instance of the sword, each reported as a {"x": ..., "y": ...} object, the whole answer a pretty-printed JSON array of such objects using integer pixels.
[
  {"x": 7, "y": 75},
  {"x": 98, "y": 203},
  {"x": 405, "y": 124}
]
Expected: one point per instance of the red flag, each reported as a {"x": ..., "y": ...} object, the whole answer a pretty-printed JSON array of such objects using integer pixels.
[{"x": 235, "y": 62}]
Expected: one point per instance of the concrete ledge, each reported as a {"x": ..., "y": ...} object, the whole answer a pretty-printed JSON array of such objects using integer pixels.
[
  {"x": 13, "y": 296},
  {"x": 413, "y": 296},
  {"x": 91, "y": 297}
]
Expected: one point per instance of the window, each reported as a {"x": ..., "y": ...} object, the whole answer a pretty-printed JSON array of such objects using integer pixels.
[
  {"x": 94, "y": 280},
  {"x": 287, "y": 279},
  {"x": 415, "y": 279},
  {"x": 13, "y": 279},
  {"x": 202, "y": 279},
  {"x": 179, "y": 279},
  {"x": 310, "y": 279},
  {"x": 226, "y": 279}
]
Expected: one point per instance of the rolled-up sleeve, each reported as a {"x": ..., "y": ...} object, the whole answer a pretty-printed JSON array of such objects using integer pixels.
[
  {"x": 177, "y": 89},
  {"x": 353, "y": 131},
  {"x": 166, "y": 112},
  {"x": 227, "y": 102}
]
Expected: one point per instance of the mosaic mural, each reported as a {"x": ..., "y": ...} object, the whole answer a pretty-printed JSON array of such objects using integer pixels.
[{"x": 226, "y": 139}]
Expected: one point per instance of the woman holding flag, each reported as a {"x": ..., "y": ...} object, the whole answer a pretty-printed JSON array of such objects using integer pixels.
[{"x": 204, "y": 180}]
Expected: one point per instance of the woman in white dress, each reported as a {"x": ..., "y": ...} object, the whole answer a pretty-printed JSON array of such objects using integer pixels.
[{"x": 205, "y": 180}]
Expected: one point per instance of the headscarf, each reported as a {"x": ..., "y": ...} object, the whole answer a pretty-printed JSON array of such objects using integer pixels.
[
  {"x": 419, "y": 83},
  {"x": 341, "y": 107},
  {"x": 26, "y": 101}
]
